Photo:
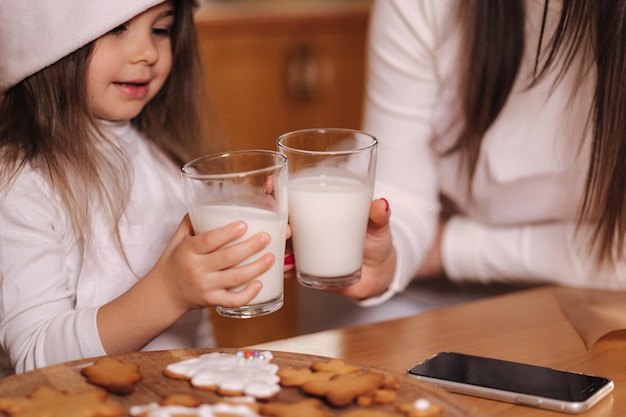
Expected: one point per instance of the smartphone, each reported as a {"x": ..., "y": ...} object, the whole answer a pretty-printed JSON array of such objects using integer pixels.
[{"x": 513, "y": 382}]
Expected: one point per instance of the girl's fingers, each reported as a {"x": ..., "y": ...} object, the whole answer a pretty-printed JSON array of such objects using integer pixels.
[
  {"x": 229, "y": 256},
  {"x": 213, "y": 239},
  {"x": 208, "y": 264},
  {"x": 234, "y": 277},
  {"x": 184, "y": 230},
  {"x": 213, "y": 280},
  {"x": 238, "y": 298}
]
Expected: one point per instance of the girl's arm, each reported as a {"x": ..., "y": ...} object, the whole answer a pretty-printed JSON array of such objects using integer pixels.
[
  {"x": 193, "y": 272},
  {"x": 39, "y": 322},
  {"x": 49, "y": 315}
]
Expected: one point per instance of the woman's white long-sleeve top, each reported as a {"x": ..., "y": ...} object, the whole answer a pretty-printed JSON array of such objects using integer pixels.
[
  {"x": 50, "y": 293},
  {"x": 520, "y": 224}
]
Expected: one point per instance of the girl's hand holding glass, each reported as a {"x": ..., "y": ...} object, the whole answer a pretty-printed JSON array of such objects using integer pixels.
[
  {"x": 194, "y": 271},
  {"x": 200, "y": 269}
]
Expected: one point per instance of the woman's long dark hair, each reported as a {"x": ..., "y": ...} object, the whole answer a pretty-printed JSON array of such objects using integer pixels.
[
  {"x": 495, "y": 30},
  {"x": 45, "y": 122}
]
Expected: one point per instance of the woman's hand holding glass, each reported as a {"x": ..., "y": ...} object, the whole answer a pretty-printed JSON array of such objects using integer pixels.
[
  {"x": 379, "y": 257},
  {"x": 379, "y": 260}
]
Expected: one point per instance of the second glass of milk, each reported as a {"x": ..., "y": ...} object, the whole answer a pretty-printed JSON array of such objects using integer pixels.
[
  {"x": 249, "y": 186},
  {"x": 330, "y": 187}
]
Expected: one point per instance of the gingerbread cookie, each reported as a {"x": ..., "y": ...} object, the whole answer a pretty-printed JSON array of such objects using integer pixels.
[
  {"x": 342, "y": 390},
  {"x": 296, "y": 377},
  {"x": 321, "y": 377},
  {"x": 384, "y": 395},
  {"x": 309, "y": 407},
  {"x": 420, "y": 408},
  {"x": 187, "y": 400},
  {"x": 113, "y": 375},
  {"x": 392, "y": 382},
  {"x": 367, "y": 413},
  {"x": 380, "y": 396},
  {"x": 48, "y": 402},
  {"x": 188, "y": 405},
  {"x": 334, "y": 367}
]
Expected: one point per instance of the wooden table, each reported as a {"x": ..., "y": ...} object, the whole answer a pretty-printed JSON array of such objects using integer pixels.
[
  {"x": 154, "y": 386},
  {"x": 526, "y": 326}
]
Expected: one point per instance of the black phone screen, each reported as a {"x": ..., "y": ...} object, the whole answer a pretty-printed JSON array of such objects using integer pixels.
[{"x": 510, "y": 376}]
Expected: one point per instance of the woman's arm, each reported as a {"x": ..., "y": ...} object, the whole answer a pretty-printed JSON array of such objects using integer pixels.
[
  {"x": 535, "y": 253},
  {"x": 403, "y": 89}
]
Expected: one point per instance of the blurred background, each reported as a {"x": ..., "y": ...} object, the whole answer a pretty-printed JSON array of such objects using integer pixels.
[{"x": 272, "y": 66}]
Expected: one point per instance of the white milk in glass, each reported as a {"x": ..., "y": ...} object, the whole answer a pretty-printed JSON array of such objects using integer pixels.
[
  {"x": 328, "y": 217},
  {"x": 207, "y": 217}
]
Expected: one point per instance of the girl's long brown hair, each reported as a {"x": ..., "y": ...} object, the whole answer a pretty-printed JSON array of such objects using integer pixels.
[
  {"x": 45, "y": 122},
  {"x": 495, "y": 31}
]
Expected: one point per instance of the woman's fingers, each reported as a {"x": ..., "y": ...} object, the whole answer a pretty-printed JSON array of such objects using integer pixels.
[{"x": 380, "y": 213}]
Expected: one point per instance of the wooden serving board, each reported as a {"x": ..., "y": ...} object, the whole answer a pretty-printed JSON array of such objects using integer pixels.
[{"x": 155, "y": 386}]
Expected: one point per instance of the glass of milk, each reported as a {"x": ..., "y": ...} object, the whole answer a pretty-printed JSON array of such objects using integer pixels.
[
  {"x": 331, "y": 181},
  {"x": 249, "y": 186}
]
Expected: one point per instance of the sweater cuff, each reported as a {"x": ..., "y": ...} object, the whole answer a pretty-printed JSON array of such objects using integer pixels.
[
  {"x": 378, "y": 299},
  {"x": 401, "y": 279},
  {"x": 87, "y": 333}
]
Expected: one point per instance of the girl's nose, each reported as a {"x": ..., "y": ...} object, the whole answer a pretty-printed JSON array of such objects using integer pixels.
[{"x": 143, "y": 49}]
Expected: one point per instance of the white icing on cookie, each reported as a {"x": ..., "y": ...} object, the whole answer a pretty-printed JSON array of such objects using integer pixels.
[
  {"x": 252, "y": 375},
  {"x": 205, "y": 410},
  {"x": 422, "y": 404}
]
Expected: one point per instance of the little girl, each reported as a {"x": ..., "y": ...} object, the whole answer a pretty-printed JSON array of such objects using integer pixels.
[{"x": 98, "y": 109}]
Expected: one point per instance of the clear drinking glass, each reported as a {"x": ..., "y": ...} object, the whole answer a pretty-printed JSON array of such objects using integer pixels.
[
  {"x": 331, "y": 182},
  {"x": 249, "y": 186}
]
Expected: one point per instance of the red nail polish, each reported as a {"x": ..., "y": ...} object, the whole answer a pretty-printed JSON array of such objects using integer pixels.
[
  {"x": 386, "y": 204},
  {"x": 290, "y": 260}
]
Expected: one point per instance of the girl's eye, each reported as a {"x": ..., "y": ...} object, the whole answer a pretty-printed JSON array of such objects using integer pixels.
[
  {"x": 162, "y": 31},
  {"x": 118, "y": 29}
]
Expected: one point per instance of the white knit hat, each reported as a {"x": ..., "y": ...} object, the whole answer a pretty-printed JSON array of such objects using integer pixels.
[{"x": 36, "y": 34}]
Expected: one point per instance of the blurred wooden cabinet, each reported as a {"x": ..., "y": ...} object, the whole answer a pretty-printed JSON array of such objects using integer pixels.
[{"x": 272, "y": 66}]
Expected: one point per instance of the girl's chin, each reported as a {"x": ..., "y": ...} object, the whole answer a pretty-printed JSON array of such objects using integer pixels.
[
  {"x": 104, "y": 119},
  {"x": 117, "y": 116}
]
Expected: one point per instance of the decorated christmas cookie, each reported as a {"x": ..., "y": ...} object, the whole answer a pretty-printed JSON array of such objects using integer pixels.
[{"x": 245, "y": 373}]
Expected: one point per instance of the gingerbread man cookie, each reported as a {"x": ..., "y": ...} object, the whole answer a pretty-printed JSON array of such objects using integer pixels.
[
  {"x": 342, "y": 390},
  {"x": 296, "y": 377},
  {"x": 113, "y": 375},
  {"x": 334, "y": 367},
  {"x": 309, "y": 407},
  {"x": 48, "y": 402}
]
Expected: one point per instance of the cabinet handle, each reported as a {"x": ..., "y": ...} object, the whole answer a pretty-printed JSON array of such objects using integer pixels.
[{"x": 307, "y": 74}]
